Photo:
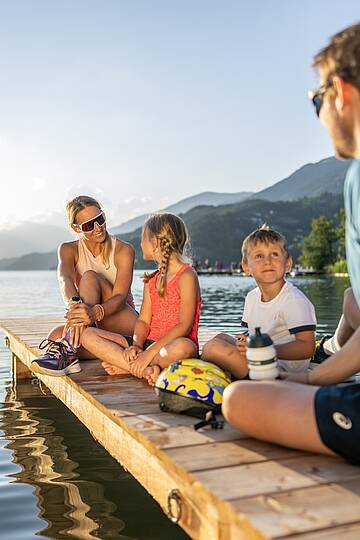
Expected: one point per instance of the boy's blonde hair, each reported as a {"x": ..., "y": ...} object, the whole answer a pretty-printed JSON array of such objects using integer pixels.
[
  {"x": 174, "y": 238},
  {"x": 79, "y": 203},
  {"x": 263, "y": 235}
]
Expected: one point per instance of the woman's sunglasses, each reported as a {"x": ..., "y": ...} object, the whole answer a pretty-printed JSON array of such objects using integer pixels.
[{"x": 89, "y": 225}]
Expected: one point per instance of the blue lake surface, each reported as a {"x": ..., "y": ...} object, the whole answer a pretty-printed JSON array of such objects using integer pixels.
[{"x": 56, "y": 481}]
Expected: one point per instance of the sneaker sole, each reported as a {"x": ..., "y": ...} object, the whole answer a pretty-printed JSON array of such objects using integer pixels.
[{"x": 69, "y": 370}]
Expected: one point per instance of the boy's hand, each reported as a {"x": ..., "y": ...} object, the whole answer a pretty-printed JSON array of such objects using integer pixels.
[
  {"x": 142, "y": 361},
  {"x": 241, "y": 340}
]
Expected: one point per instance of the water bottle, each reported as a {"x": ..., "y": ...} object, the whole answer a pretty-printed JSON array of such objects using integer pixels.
[
  {"x": 74, "y": 300},
  {"x": 261, "y": 357}
]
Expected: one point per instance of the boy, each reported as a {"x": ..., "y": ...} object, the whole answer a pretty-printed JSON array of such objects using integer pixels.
[{"x": 278, "y": 307}]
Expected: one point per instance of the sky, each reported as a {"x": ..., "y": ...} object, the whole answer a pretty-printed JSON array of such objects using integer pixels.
[{"x": 141, "y": 103}]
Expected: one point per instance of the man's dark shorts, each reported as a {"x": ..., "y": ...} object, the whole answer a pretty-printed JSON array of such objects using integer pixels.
[{"x": 337, "y": 412}]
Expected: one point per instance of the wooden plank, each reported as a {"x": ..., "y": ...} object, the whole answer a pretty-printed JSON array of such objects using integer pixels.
[
  {"x": 304, "y": 510},
  {"x": 227, "y": 454},
  {"x": 351, "y": 532},
  {"x": 231, "y": 486},
  {"x": 276, "y": 476}
]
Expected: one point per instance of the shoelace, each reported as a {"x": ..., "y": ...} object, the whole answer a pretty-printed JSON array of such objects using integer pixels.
[{"x": 55, "y": 349}]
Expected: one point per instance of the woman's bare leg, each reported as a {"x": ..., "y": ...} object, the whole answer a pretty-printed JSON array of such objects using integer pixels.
[
  {"x": 222, "y": 351},
  {"x": 178, "y": 349},
  {"x": 274, "y": 411},
  {"x": 95, "y": 289}
]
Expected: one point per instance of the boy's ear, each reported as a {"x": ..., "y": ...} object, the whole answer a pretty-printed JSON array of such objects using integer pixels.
[
  {"x": 246, "y": 268},
  {"x": 289, "y": 264}
]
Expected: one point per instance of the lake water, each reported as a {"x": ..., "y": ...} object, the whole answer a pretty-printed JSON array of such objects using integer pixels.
[{"x": 56, "y": 481}]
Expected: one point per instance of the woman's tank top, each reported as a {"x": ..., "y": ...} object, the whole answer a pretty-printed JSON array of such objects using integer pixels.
[
  {"x": 165, "y": 311},
  {"x": 87, "y": 261}
]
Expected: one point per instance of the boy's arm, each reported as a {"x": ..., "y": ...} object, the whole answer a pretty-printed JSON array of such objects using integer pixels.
[{"x": 303, "y": 347}]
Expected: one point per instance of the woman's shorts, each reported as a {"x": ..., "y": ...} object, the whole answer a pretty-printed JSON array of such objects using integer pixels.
[
  {"x": 337, "y": 412},
  {"x": 146, "y": 345}
]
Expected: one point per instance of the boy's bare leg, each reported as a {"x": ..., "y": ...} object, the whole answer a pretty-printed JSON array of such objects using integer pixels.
[
  {"x": 178, "y": 349},
  {"x": 222, "y": 351},
  {"x": 273, "y": 411},
  {"x": 108, "y": 347}
]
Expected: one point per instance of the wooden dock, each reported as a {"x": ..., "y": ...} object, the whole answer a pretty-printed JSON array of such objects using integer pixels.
[{"x": 227, "y": 485}]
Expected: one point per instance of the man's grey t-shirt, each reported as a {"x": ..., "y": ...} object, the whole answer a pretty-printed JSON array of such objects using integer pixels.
[{"x": 352, "y": 209}]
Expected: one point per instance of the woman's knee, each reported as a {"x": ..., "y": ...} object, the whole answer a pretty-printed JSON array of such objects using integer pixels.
[{"x": 90, "y": 276}]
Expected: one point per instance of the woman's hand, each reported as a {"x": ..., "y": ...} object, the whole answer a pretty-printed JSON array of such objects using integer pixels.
[
  {"x": 75, "y": 333},
  {"x": 142, "y": 361},
  {"x": 80, "y": 314}
]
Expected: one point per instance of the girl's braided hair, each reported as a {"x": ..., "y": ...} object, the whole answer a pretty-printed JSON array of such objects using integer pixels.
[{"x": 174, "y": 238}]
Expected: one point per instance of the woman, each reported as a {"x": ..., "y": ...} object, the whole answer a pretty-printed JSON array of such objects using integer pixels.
[{"x": 98, "y": 269}]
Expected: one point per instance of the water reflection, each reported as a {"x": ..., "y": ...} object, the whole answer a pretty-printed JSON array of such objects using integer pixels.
[{"x": 81, "y": 491}]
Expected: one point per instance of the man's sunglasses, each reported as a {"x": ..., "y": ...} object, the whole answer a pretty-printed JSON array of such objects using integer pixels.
[
  {"x": 317, "y": 96},
  {"x": 89, "y": 225}
]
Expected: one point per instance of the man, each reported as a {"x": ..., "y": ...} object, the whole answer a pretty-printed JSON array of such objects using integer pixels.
[{"x": 329, "y": 416}]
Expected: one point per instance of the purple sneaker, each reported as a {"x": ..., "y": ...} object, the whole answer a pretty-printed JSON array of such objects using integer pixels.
[{"x": 60, "y": 359}]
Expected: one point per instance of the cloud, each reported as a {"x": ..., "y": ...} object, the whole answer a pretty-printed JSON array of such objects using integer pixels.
[{"x": 38, "y": 184}]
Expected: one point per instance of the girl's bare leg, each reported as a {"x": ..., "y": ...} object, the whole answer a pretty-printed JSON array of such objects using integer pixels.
[
  {"x": 108, "y": 347},
  {"x": 222, "y": 351},
  {"x": 178, "y": 349},
  {"x": 275, "y": 411}
]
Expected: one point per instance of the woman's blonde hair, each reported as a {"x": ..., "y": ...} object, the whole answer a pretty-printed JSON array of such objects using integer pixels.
[
  {"x": 174, "y": 238},
  {"x": 79, "y": 203}
]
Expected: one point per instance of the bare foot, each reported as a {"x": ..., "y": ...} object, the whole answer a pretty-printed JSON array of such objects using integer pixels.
[
  {"x": 152, "y": 373},
  {"x": 113, "y": 370}
]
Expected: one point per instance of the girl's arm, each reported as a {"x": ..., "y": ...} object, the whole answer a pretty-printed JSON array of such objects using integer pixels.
[
  {"x": 142, "y": 325},
  {"x": 189, "y": 293},
  {"x": 303, "y": 347}
]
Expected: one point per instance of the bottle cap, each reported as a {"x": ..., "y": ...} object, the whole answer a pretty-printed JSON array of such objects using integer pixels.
[{"x": 259, "y": 340}]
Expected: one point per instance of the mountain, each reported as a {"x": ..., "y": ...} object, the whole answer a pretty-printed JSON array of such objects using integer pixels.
[
  {"x": 206, "y": 198},
  {"x": 30, "y": 237},
  {"x": 325, "y": 176},
  {"x": 217, "y": 232}
]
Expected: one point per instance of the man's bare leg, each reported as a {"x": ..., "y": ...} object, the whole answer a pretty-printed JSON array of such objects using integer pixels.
[
  {"x": 349, "y": 322},
  {"x": 273, "y": 411}
]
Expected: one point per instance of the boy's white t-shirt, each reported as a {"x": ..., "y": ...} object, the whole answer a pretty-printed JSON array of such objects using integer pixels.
[{"x": 282, "y": 317}]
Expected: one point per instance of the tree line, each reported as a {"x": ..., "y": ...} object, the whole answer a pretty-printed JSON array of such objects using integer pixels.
[{"x": 324, "y": 248}]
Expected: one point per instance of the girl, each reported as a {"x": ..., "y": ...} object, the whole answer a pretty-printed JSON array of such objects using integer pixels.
[
  {"x": 98, "y": 268},
  {"x": 167, "y": 327}
]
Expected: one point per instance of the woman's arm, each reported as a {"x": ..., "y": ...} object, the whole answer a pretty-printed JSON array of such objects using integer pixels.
[
  {"x": 303, "y": 347},
  {"x": 66, "y": 271}
]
